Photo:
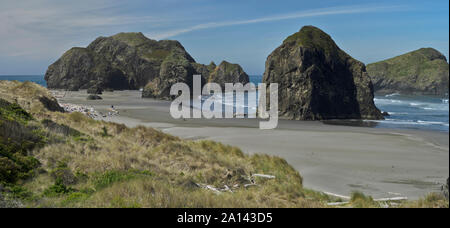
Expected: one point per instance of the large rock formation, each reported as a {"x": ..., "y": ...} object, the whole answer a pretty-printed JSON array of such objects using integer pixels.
[
  {"x": 176, "y": 70},
  {"x": 126, "y": 61},
  {"x": 317, "y": 80},
  {"x": 227, "y": 72},
  {"x": 424, "y": 71}
]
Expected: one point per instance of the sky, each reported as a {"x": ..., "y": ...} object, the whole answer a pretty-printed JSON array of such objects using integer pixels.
[{"x": 34, "y": 34}]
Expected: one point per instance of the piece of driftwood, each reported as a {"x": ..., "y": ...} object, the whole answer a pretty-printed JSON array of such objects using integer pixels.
[
  {"x": 263, "y": 176},
  {"x": 336, "y": 195},
  {"x": 391, "y": 199},
  {"x": 337, "y": 203}
]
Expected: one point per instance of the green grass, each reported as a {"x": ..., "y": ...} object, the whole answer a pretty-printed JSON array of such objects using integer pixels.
[
  {"x": 312, "y": 37},
  {"x": 131, "y": 38},
  {"x": 359, "y": 200},
  {"x": 421, "y": 70}
]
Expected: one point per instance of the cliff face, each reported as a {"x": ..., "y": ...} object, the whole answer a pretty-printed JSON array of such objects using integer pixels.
[
  {"x": 122, "y": 61},
  {"x": 317, "y": 80},
  {"x": 424, "y": 71},
  {"x": 128, "y": 61}
]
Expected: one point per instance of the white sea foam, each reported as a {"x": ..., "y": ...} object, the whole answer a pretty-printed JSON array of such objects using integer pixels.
[{"x": 392, "y": 95}]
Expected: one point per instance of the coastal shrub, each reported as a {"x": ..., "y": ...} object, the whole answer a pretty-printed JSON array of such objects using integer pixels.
[
  {"x": 17, "y": 138},
  {"x": 63, "y": 175},
  {"x": 77, "y": 117},
  {"x": 19, "y": 192},
  {"x": 359, "y": 200},
  {"x": 105, "y": 132},
  {"x": 73, "y": 198},
  {"x": 432, "y": 200},
  {"x": 9, "y": 171},
  {"x": 57, "y": 189},
  {"x": 13, "y": 112}
]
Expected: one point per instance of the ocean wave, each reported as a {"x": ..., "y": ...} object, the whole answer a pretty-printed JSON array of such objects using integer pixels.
[
  {"x": 410, "y": 122},
  {"x": 380, "y": 102},
  {"x": 392, "y": 95}
]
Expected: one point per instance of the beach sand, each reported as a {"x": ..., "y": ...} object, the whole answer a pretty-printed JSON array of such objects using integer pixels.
[{"x": 331, "y": 158}]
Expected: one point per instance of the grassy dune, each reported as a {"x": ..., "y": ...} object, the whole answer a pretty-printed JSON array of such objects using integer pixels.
[
  {"x": 80, "y": 162},
  {"x": 55, "y": 159}
]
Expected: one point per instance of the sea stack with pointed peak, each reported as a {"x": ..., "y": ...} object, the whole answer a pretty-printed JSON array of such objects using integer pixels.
[
  {"x": 423, "y": 71},
  {"x": 318, "y": 81},
  {"x": 128, "y": 61},
  {"x": 228, "y": 72}
]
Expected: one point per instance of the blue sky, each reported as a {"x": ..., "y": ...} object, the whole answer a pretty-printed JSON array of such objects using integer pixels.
[{"x": 34, "y": 34}]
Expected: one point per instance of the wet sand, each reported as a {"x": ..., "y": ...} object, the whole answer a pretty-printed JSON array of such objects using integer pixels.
[{"x": 331, "y": 158}]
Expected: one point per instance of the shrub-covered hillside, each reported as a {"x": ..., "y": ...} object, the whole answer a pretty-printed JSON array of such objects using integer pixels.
[{"x": 55, "y": 159}]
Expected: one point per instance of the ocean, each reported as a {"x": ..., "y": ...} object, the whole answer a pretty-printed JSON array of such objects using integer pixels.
[
  {"x": 406, "y": 112},
  {"x": 38, "y": 79}
]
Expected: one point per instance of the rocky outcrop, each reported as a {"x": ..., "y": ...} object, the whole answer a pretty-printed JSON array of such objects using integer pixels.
[
  {"x": 174, "y": 70},
  {"x": 317, "y": 80},
  {"x": 424, "y": 71},
  {"x": 227, "y": 72},
  {"x": 122, "y": 61},
  {"x": 130, "y": 61}
]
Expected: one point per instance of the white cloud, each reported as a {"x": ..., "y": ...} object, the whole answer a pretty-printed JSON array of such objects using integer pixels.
[
  {"x": 31, "y": 28},
  {"x": 303, "y": 14},
  {"x": 45, "y": 28}
]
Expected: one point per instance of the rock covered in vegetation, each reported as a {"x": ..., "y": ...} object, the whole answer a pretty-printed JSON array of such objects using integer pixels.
[
  {"x": 125, "y": 61},
  {"x": 424, "y": 71},
  {"x": 227, "y": 72},
  {"x": 17, "y": 138},
  {"x": 317, "y": 80},
  {"x": 122, "y": 61}
]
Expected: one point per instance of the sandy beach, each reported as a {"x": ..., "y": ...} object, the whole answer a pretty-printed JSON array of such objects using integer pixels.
[{"x": 331, "y": 158}]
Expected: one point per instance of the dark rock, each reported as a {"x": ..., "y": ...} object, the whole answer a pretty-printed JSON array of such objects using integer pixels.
[
  {"x": 131, "y": 61},
  {"x": 424, "y": 71},
  {"x": 317, "y": 80},
  {"x": 228, "y": 73},
  {"x": 176, "y": 69},
  {"x": 122, "y": 61},
  {"x": 385, "y": 114},
  {"x": 51, "y": 104},
  {"x": 94, "y": 97},
  {"x": 95, "y": 90}
]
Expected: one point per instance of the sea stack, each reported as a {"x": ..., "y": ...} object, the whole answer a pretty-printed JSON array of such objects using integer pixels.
[
  {"x": 228, "y": 72},
  {"x": 128, "y": 61},
  {"x": 424, "y": 71},
  {"x": 318, "y": 81}
]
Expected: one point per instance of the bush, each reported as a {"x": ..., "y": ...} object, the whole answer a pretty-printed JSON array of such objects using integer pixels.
[
  {"x": 359, "y": 200},
  {"x": 9, "y": 171},
  {"x": 63, "y": 175},
  {"x": 13, "y": 112},
  {"x": 57, "y": 189}
]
